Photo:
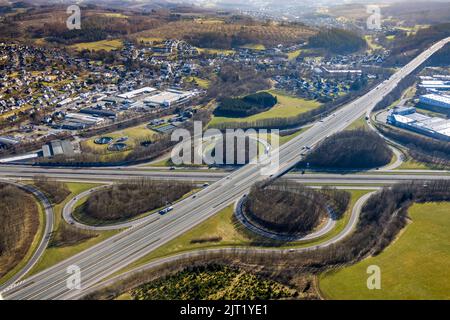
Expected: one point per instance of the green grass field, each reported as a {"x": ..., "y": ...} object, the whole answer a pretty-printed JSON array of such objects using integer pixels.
[
  {"x": 254, "y": 46},
  {"x": 361, "y": 123},
  {"x": 134, "y": 134},
  {"x": 415, "y": 266},
  {"x": 286, "y": 107},
  {"x": 106, "y": 45},
  {"x": 216, "y": 51},
  {"x": 372, "y": 46},
  {"x": 54, "y": 255},
  {"x": 203, "y": 83},
  {"x": 411, "y": 164}
]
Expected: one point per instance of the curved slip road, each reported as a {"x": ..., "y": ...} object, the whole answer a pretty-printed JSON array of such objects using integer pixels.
[
  {"x": 69, "y": 208},
  {"x": 356, "y": 211},
  {"x": 240, "y": 216},
  {"x": 48, "y": 209},
  {"x": 111, "y": 255}
]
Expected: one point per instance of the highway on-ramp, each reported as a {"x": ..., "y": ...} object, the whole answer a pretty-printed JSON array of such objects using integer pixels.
[{"x": 111, "y": 255}]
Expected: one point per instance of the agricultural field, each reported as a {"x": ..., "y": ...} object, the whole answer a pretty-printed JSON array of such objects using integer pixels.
[
  {"x": 106, "y": 45},
  {"x": 415, "y": 266},
  {"x": 287, "y": 106}
]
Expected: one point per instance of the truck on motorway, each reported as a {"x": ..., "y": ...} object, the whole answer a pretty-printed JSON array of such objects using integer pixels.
[{"x": 165, "y": 210}]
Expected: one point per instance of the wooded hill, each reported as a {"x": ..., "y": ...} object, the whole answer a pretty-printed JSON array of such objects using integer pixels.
[{"x": 337, "y": 41}]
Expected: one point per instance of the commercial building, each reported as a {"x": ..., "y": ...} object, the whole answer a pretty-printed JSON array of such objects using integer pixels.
[
  {"x": 78, "y": 117},
  {"x": 409, "y": 119},
  {"x": 137, "y": 92},
  {"x": 432, "y": 85},
  {"x": 341, "y": 73},
  {"x": 436, "y": 100},
  {"x": 169, "y": 98},
  {"x": 99, "y": 112}
]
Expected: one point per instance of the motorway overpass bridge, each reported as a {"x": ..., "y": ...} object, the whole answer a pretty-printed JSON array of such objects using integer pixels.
[{"x": 113, "y": 254}]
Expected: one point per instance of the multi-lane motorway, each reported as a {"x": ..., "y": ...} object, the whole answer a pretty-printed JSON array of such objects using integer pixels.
[{"x": 109, "y": 256}]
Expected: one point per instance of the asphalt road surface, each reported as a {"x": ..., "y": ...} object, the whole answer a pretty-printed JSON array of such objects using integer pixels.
[
  {"x": 48, "y": 210},
  {"x": 111, "y": 255}
]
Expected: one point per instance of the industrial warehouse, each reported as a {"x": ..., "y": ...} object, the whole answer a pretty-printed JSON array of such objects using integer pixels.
[
  {"x": 436, "y": 100},
  {"x": 408, "y": 118}
]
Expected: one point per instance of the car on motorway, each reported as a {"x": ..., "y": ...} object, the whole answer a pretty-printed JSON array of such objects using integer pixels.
[{"x": 205, "y": 184}]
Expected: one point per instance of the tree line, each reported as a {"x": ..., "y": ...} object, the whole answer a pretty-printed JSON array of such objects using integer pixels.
[
  {"x": 407, "y": 47},
  {"x": 424, "y": 149}
]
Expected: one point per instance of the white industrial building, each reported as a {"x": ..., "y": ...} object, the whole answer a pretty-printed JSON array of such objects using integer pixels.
[
  {"x": 408, "y": 118},
  {"x": 78, "y": 117},
  {"x": 435, "y": 85},
  {"x": 436, "y": 100},
  {"x": 137, "y": 92},
  {"x": 169, "y": 98}
]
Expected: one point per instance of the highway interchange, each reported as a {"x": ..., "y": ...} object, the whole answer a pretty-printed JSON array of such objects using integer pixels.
[{"x": 115, "y": 253}]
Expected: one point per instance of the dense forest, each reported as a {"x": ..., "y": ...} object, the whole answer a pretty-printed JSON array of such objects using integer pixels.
[
  {"x": 351, "y": 149},
  {"x": 127, "y": 200},
  {"x": 337, "y": 41},
  {"x": 245, "y": 106},
  {"x": 213, "y": 282},
  {"x": 290, "y": 208},
  {"x": 19, "y": 222}
]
